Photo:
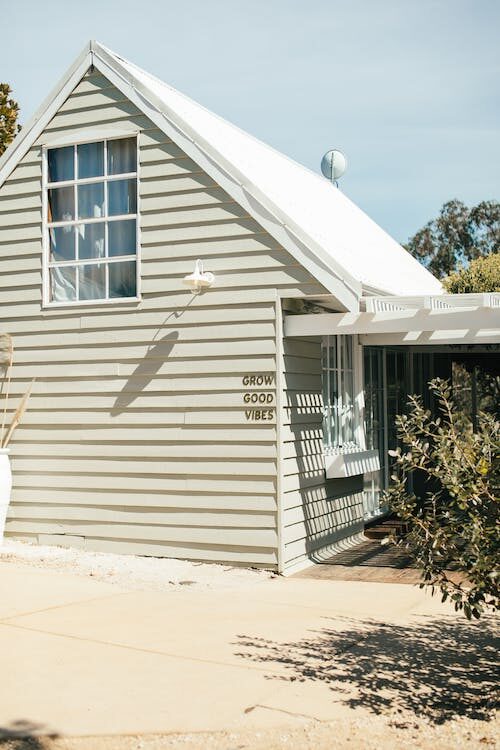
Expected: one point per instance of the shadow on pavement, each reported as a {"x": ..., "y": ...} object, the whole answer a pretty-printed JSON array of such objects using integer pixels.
[
  {"x": 437, "y": 669},
  {"x": 26, "y": 735}
]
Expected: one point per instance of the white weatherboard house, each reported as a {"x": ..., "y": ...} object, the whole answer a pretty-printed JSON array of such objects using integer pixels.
[{"x": 229, "y": 425}]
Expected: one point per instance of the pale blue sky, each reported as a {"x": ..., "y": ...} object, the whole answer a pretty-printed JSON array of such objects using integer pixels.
[{"x": 409, "y": 90}]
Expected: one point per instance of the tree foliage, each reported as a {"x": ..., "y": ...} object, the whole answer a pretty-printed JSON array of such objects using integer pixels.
[
  {"x": 481, "y": 275},
  {"x": 455, "y": 526},
  {"x": 9, "y": 111},
  {"x": 457, "y": 236}
]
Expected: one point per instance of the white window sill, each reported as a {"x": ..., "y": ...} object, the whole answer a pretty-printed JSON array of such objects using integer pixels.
[
  {"x": 92, "y": 303},
  {"x": 351, "y": 464}
]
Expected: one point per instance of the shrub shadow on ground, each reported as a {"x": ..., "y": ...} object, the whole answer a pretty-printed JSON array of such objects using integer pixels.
[
  {"x": 26, "y": 735},
  {"x": 436, "y": 669}
]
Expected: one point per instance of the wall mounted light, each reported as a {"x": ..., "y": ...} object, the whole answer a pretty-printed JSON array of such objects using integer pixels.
[{"x": 199, "y": 279}]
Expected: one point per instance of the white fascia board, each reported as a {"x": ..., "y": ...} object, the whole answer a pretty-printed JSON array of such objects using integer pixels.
[
  {"x": 345, "y": 288},
  {"x": 44, "y": 114},
  {"x": 482, "y": 336},
  {"x": 412, "y": 321}
]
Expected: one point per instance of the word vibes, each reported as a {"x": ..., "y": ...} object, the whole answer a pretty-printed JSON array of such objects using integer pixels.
[{"x": 261, "y": 399}]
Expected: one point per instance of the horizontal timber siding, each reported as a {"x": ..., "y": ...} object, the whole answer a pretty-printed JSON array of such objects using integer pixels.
[
  {"x": 317, "y": 512},
  {"x": 136, "y": 439}
]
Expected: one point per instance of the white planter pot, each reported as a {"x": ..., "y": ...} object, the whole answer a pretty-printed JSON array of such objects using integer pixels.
[{"x": 5, "y": 488}]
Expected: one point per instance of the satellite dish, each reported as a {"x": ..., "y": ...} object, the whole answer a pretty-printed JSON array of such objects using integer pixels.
[{"x": 333, "y": 164}]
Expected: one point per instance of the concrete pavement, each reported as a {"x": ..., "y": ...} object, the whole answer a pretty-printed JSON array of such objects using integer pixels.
[{"x": 82, "y": 657}]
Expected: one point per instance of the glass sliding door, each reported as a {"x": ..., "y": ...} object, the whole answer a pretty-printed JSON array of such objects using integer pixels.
[{"x": 391, "y": 374}]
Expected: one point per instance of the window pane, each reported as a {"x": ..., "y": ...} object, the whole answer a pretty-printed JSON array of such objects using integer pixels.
[
  {"x": 61, "y": 164},
  {"x": 92, "y": 281},
  {"x": 61, "y": 205},
  {"x": 91, "y": 201},
  {"x": 63, "y": 284},
  {"x": 91, "y": 241},
  {"x": 62, "y": 243},
  {"x": 332, "y": 345},
  {"x": 121, "y": 238},
  {"x": 90, "y": 160},
  {"x": 122, "y": 156},
  {"x": 122, "y": 197},
  {"x": 348, "y": 352},
  {"x": 122, "y": 279}
]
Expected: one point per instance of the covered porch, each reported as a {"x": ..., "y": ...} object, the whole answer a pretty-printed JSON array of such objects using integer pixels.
[{"x": 398, "y": 345}]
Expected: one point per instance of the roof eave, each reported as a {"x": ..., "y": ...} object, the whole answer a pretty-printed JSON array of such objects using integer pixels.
[
  {"x": 334, "y": 278},
  {"x": 36, "y": 125}
]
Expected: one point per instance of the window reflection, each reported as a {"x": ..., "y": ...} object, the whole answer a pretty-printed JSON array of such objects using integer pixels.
[
  {"x": 122, "y": 197},
  {"x": 122, "y": 279},
  {"x": 91, "y": 241},
  {"x": 122, "y": 238},
  {"x": 61, "y": 164},
  {"x": 122, "y": 156},
  {"x": 63, "y": 284},
  {"x": 90, "y": 158},
  {"x": 61, "y": 204},
  {"x": 62, "y": 243},
  {"x": 92, "y": 281},
  {"x": 91, "y": 201}
]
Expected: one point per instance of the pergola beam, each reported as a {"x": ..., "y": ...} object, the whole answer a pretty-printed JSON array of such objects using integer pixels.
[
  {"x": 432, "y": 338},
  {"x": 480, "y": 324}
]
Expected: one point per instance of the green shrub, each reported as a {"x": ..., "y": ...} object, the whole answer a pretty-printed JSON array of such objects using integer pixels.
[
  {"x": 481, "y": 275},
  {"x": 455, "y": 526}
]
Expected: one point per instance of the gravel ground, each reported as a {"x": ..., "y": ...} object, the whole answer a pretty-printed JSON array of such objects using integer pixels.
[
  {"x": 375, "y": 734},
  {"x": 138, "y": 573},
  {"x": 404, "y": 730}
]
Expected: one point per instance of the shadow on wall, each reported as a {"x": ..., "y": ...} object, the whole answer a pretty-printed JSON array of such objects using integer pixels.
[
  {"x": 145, "y": 371},
  {"x": 435, "y": 669},
  {"x": 26, "y": 735},
  {"x": 332, "y": 508}
]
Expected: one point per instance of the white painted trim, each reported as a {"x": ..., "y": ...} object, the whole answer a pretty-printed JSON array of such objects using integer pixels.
[
  {"x": 415, "y": 321},
  {"x": 433, "y": 338},
  {"x": 102, "y": 133},
  {"x": 430, "y": 302},
  {"x": 45, "y": 232},
  {"x": 279, "y": 383},
  {"x": 91, "y": 303},
  {"x": 138, "y": 248},
  {"x": 359, "y": 390}
]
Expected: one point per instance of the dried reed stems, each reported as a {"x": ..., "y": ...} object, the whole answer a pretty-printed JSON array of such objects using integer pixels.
[
  {"x": 18, "y": 415},
  {"x": 6, "y": 359}
]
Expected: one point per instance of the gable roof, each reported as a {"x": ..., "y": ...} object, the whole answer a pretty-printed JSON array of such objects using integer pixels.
[{"x": 321, "y": 228}]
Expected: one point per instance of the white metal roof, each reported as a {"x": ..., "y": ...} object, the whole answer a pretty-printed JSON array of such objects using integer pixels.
[
  {"x": 325, "y": 231},
  {"x": 345, "y": 232}
]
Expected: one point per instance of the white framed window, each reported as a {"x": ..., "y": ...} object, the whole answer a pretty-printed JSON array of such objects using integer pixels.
[
  {"x": 91, "y": 239},
  {"x": 340, "y": 428}
]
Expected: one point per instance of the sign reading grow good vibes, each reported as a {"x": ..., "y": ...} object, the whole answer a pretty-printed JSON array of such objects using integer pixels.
[{"x": 260, "y": 401}]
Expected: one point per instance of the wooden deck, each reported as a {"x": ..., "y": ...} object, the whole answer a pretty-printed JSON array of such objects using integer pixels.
[{"x": 368, "y": 561}]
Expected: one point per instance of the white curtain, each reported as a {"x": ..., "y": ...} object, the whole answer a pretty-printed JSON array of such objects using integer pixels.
[{"x": 63, "y": 284}]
